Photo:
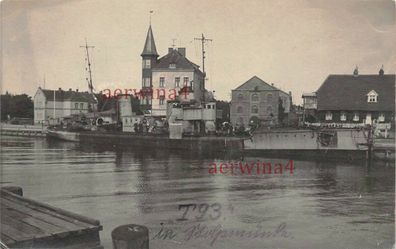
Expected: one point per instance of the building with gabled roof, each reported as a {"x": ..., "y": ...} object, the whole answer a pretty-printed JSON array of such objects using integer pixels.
[
  {"x": 56, "y": 104},
  {"x": 257, "y": 101},
  {"x": 166, "y": 76},
  {"x": 357, "y": 98},
  {"x": 174, "y": 90}
]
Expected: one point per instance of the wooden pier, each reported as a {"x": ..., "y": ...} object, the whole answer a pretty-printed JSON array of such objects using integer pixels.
[
  {"x": 26, "y": 223},
  {"x": 23, "y": 130}
]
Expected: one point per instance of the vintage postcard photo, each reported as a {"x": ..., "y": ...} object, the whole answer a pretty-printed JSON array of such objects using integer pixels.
[{"x": 200, "y": 124}]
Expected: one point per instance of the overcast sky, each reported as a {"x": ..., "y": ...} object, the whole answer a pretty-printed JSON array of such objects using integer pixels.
[{"x": 294, "y": 44}]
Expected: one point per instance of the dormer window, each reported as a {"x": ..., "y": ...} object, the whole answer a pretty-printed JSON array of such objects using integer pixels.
[
  {"x": 172, "y": 65},
  {"x": 372, "y": 97}
]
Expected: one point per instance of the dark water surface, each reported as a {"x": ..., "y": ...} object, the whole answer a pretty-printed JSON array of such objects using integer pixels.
[{"x": 321, "y": 205}]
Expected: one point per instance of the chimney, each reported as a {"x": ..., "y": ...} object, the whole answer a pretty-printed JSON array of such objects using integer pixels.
[
  {"x": 182, "y": 51},
  {"x": 356, "y": 71},
  {"x": 381, "y": 71},
  {"x": 60, "y": 89},
  {"x": 77, "y": 90},
  {"x": 170, "y": 50},
  {"x": 70, "y": 89}
]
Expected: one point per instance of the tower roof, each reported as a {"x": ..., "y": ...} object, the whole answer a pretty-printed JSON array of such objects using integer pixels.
[{"x": 149, "y": 45}]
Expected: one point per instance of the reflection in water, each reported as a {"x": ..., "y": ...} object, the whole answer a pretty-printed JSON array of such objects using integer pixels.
[{"x": 322, "y": 204}]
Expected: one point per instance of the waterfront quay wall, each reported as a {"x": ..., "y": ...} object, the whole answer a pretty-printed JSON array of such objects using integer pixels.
[{"x": 23, "y": 130}]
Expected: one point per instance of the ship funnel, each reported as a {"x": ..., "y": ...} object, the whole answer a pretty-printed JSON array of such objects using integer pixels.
[{"x": 125, "y": 106}]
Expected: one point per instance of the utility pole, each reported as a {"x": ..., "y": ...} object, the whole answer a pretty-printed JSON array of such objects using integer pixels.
[
  {"x": 203, "y": 41},
  {"x": 173, "y": 43}
]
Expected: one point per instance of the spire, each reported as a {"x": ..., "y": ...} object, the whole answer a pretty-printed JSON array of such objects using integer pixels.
[
  {"x": 149, "y": 45},
  {"x": 356, "y": 71},
  {"x": 381, "y": 71}
]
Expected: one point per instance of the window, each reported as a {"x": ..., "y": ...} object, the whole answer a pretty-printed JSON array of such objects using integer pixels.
[
  {"x": 177, "y": 82},
  {"x": 240, "y": 96},
  {"x": 172, "y": 65},
  {"x": 162, "y": 100},
  {"x": 185, "y": 81},
  {"x": 356, "y": 116},
  {"x": 255, "y": 97},
  {"x": 239, "y": 109},
  {"x": 146, "y": 63},
  {"x": 162, "y": 82},
  {"x": 75, "y": 105},
  {"x": 146, "y": 82},
  {"x": 269, "y": 97},
  {"x": 329, "y": 116},
  {"x": 254, "y": 109},
  {"x": 381, "y": 117},
  {"x": 192, "y": 85},
  {"x": 343, "y": 116},
  {"x": 81, "y": 105},
  {"x": 269, "y": 109},
  {"x": 208, "y": 106},
  {"x": 372, "y": 96}
]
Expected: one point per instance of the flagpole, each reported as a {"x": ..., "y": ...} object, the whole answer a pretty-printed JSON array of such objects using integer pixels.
[{"x": 54, "y": 104}]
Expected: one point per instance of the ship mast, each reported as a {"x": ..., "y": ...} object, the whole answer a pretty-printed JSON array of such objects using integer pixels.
[{"x": 88, "y": 68}]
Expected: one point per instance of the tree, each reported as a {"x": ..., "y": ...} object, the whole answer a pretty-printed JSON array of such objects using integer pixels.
[
  {"x": 105, "y": 103},
  {"x": 20, "y": 106},
  {"x": 224, "y": 106}
]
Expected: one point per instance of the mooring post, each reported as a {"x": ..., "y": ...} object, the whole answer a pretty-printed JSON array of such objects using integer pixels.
[
  {"x": 130, "y": 237},
  {"x": 370, "y": 143}
]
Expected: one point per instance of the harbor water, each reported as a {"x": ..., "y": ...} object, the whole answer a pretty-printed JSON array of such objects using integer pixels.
[{"x": 176, "y": 194}]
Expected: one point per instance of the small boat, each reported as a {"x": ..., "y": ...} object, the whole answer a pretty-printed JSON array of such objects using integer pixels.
[{"x": 64, "y": 135}]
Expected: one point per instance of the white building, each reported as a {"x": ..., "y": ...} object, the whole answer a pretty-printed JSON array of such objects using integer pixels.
[
  {"x": 55, "y": 104},
  {"x": 167, "y": 75},
  {"x": 171, "y": 73}
]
